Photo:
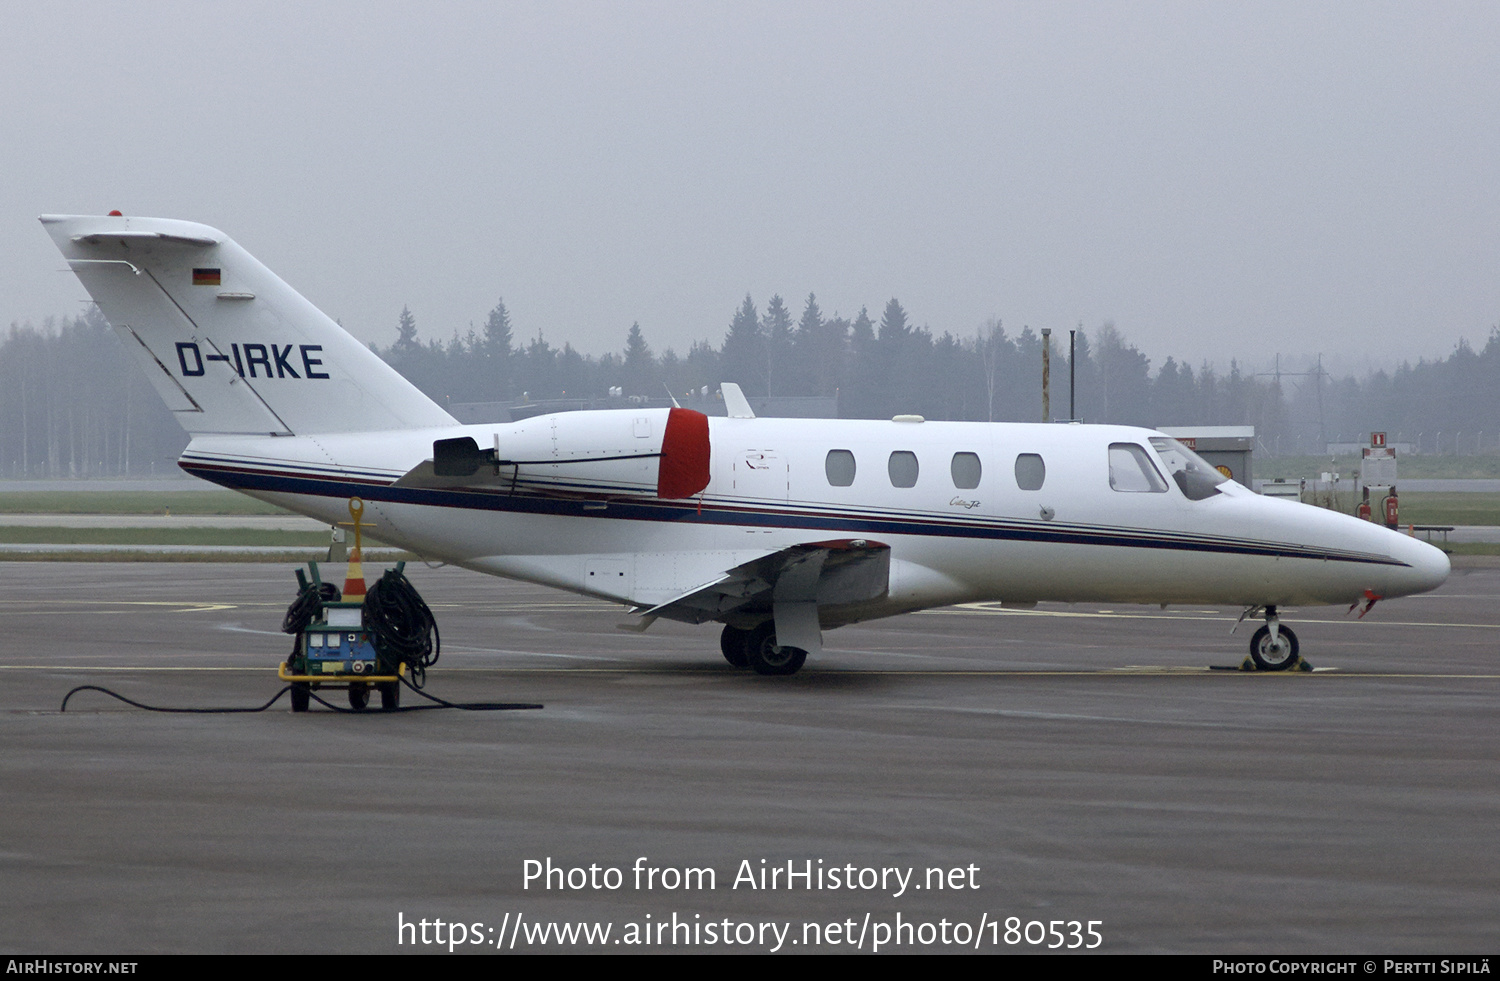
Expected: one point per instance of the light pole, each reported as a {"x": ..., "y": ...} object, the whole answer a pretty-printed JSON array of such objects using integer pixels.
[
  {"x": 1046, "y": 374},
  {"x": 1073, "y": 374}
]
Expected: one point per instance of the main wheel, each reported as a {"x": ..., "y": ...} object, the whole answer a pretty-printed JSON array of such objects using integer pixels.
[
  {"x": 390, "y": 695},
  {"x": 767, "y": 657},
  {"x": 301, "y": 696},
  {"x": 1277, "y": 657},
  {"x": 359, "y": 696},
  {"x": 735, "y": 643}
]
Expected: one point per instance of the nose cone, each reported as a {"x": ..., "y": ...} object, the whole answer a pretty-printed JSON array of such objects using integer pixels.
[{"x": 1426, "y": 567}]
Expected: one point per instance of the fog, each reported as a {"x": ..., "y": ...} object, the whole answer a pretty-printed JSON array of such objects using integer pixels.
[{"x": 1217, "y": 180}]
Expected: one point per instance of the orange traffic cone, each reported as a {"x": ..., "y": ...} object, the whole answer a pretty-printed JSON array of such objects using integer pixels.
[{"x": 354, "y": 581}]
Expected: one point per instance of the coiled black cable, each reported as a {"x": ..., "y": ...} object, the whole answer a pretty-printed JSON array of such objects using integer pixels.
[
  {"x": 403, "y": 626},
  {"x": 306, "y": 607}
]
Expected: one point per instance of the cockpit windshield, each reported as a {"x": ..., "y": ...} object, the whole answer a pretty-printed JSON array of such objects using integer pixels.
[{"x": 1194, "y": 475}]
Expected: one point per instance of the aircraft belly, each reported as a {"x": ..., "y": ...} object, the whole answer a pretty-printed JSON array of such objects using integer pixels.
[
  {"x": 461, "y": 533},
  {"x": 640, "y": 579},
  {"x": 635, "y": 562},
  {"x": 1030, "y": 571},
  {"x": 331, "y": 510}
]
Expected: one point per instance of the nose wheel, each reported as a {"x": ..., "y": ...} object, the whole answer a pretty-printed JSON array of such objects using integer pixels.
[
  {"x": 1273, "y": 655},
  {"x": 1274, "y": 647}
]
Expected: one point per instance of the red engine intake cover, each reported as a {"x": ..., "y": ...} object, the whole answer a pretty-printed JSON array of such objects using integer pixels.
[{"x": 684, "y": 455}]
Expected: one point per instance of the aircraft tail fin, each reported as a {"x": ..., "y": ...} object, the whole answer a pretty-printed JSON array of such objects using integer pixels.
[{"x": 229, "y": 346}]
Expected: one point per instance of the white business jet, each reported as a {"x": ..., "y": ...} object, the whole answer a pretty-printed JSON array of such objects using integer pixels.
[{"x": 778, "y": 529}]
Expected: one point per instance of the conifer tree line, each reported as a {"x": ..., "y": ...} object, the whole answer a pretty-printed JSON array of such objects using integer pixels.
[
  {"x": 875, "y": 368},
  {"x": 73, "y": 404}
]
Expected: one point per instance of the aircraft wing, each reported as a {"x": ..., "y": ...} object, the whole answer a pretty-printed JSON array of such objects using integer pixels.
[{"x": 807, "y": 575}]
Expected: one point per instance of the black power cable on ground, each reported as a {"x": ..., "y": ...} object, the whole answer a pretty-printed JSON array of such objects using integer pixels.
[
  {"x": 439, "y": 704},
  {"x": 158, "y": 708}
]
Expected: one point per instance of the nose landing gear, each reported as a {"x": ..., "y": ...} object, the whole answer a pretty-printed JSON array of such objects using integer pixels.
[{"x": 1274, "y": 647}]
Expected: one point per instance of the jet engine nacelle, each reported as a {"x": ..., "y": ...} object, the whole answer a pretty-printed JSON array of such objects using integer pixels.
[{"x": 660, "y": 453}]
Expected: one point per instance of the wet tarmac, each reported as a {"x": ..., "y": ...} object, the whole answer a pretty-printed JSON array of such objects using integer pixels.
[{"x": 1072, "y": 764}]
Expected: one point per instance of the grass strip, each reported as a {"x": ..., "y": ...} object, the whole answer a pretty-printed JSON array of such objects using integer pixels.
[
  {"x": 133, "y": 502},
  {"x": 1408, "y": 467},
  {"x": 1438, "y": 508},
  {"x": 12, "y": 535},
  {"x": 290, "y": 558}
]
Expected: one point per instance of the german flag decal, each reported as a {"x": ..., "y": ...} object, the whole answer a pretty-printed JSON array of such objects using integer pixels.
[{"x": 205, "y": 277}]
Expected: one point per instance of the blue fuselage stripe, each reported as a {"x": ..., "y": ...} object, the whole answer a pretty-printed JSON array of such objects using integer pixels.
[{"x": 715, "y": 513}]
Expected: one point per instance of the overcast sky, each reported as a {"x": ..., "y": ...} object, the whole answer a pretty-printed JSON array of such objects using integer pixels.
[{"x": 1218, "y": 179}]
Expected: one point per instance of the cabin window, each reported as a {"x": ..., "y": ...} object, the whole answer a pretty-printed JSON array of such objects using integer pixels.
[
  {"x": 966, "y": 470},
  {"x": 840, "y": 468},
  {"x": 1031, "y": 471},
  {"x": 1131, "y": 470},
  {"x": 903, "y": 468}
]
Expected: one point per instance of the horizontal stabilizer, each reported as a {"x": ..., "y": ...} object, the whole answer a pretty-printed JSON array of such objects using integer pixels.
[{"x": 94, "y": 238}]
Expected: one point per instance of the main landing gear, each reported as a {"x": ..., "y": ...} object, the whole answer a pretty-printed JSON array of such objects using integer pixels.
[
  {"x": 1274, "y": 647},
  {"x": 735, "y": 644},
  {"x": 758, "y": 649}
]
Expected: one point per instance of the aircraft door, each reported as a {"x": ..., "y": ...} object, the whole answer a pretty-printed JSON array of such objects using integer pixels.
[{"x": 760, "y": 475}]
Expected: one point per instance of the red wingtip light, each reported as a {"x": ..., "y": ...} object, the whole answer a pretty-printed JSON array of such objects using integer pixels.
[{"x": 116, "y": 214}]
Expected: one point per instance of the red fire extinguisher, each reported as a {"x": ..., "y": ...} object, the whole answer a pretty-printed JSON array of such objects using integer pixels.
[
  {"x": 1363, "y": 511},
  {"x": 1391, "y": 519}
]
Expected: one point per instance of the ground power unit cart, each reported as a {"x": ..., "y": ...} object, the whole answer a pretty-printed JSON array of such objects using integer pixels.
[{"x": 378, "y": 644}]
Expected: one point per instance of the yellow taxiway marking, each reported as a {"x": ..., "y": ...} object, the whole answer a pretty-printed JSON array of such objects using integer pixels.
[
  {"x": 184, "y": 606},
  {"x": 84, "y": 667},
  {"x": 988, "y": 608}
]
